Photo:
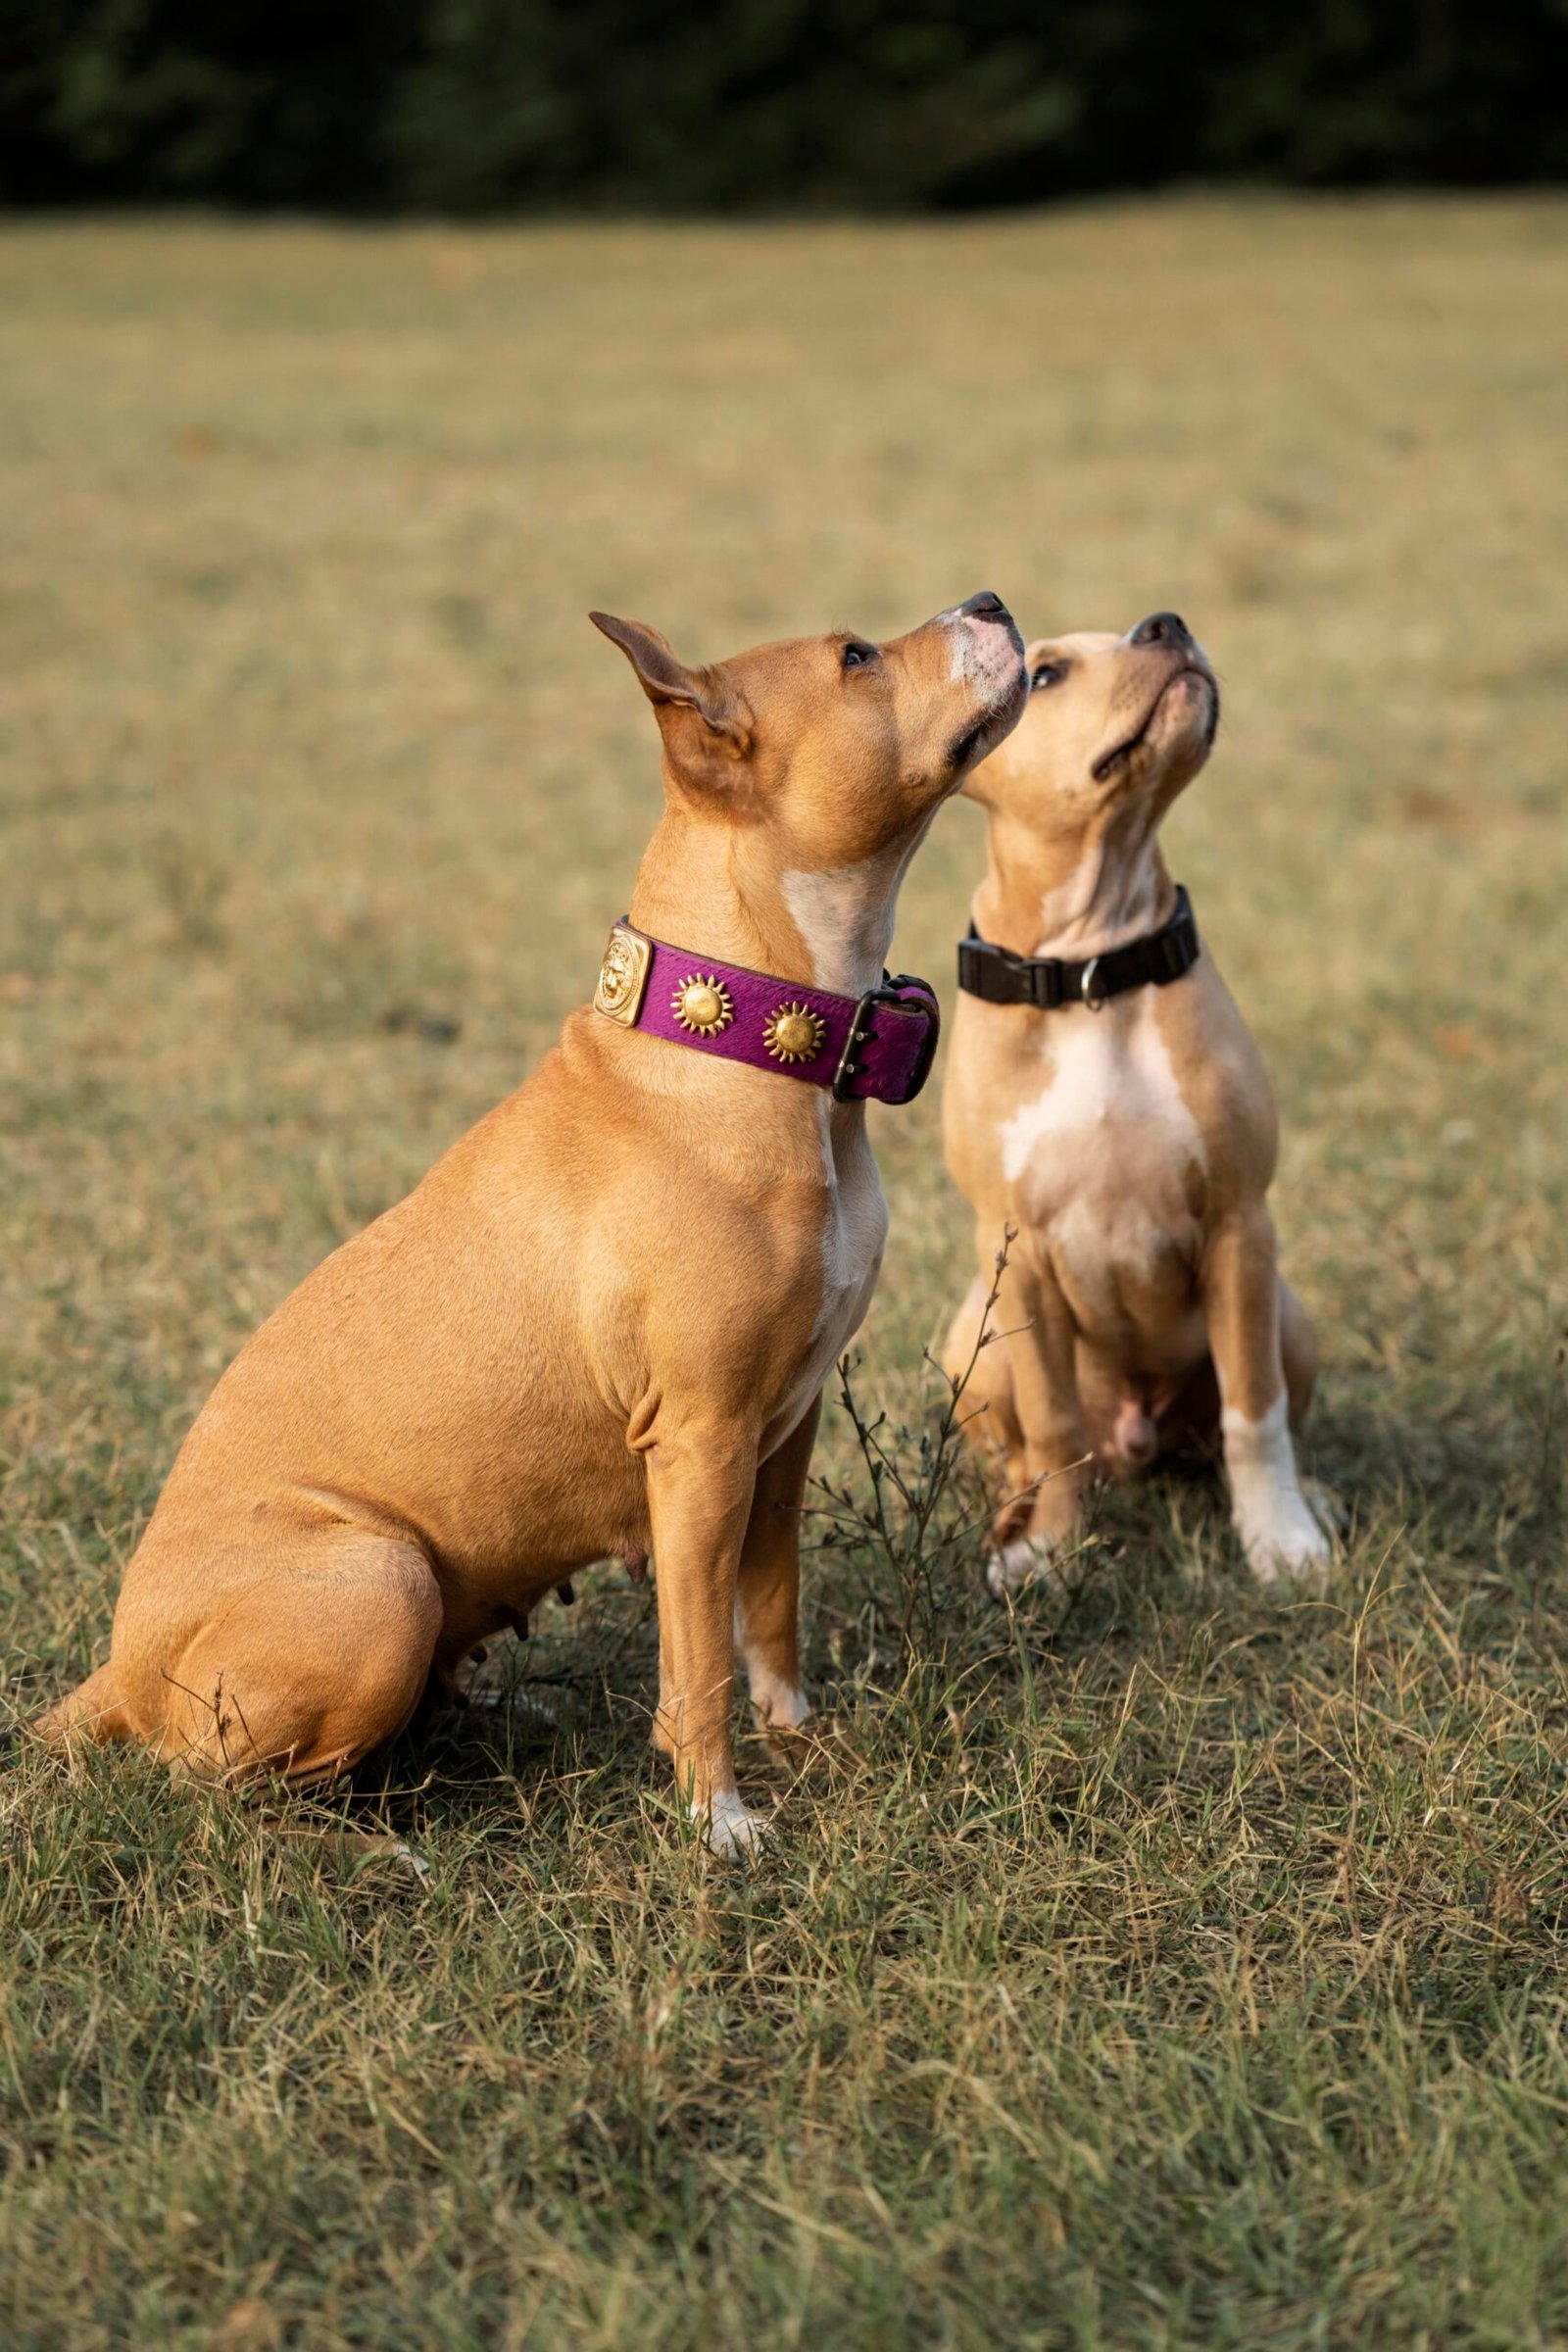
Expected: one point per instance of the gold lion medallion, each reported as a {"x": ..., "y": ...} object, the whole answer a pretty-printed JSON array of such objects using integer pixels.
[
  {"x": 624, "y": 975},
  {"x": 702, "y": 1005},
  {"x": 794, "y": 1033}
]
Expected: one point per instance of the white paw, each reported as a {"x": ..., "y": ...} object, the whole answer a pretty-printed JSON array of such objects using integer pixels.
[
  {"x": 1268, "y": 1510},
  {"x": 404, "y": 1852},
  {"x": 733, "y": 1832},
  {"x": 778, "y": 1705},
  {"x": 1290, "y": 1543},
  {"x": 1026, "y": 1560}
]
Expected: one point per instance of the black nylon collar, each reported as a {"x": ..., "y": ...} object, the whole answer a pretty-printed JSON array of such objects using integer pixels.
[{"x": 1154, "y": 961}]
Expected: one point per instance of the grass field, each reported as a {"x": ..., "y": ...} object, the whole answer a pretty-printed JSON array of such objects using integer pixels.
[{"x": 1187, "y": 1974}]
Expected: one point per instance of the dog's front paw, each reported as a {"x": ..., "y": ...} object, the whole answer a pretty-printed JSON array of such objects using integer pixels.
[
  {"x": 1284, "y": 1542},
  {"x": 778, "y": 1706},
  {"x": 1027, "y": 1560},
  {"x": 1270, "y": 1515},
  {"x": 733, "y": 1832}
]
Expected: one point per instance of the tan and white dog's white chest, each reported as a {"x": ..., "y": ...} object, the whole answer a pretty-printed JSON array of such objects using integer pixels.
[{"x": 1104, "y": 1160}]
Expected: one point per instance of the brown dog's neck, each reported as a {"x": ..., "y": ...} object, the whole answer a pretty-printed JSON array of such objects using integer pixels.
[
  {"x": 703, "y": 887},
  {"x": 1073, "y": 894},
  {"x": 706, "y": 886}
]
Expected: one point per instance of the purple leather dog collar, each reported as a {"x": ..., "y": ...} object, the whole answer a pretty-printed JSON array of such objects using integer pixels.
[{"x": 876, "y": 1048}]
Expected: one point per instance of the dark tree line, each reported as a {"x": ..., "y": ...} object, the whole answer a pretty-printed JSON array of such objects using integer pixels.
[{"x": 477, "y": 106}]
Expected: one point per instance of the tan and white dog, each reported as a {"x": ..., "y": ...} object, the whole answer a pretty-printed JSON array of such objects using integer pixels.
[
  {"x": 1109, "y": 1104},
  {"x": 602, "y": 1323}
]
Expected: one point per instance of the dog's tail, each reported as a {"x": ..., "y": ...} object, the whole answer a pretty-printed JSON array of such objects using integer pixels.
[{"x": 92, "y": 1711}]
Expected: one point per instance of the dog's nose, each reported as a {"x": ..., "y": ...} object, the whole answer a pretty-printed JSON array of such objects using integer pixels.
[
  {"x": 986, "y": 605},
  {"x": 1162, "y": 628}
]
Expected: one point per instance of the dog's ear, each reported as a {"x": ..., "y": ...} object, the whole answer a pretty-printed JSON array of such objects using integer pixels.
[{"x": 704, "y": 723}]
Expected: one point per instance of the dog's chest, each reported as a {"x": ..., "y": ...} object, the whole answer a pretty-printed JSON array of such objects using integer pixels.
[
  {"x": 854, "y": 1230},
  {"x": 1104, "y": 1159}
]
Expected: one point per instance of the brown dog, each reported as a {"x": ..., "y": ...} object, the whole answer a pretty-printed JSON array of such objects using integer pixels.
[
  {"x": 603, "y": 1321},
  {"x": 1106, "y": 1099}
]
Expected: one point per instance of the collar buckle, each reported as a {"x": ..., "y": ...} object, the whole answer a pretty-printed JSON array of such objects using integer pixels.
[
  {"x": 888, "y": 991},
  {"x": 1043, "y": 976}
]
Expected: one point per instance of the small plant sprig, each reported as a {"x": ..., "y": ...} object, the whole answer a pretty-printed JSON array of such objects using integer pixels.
[{"x": 924, "y": 1508}]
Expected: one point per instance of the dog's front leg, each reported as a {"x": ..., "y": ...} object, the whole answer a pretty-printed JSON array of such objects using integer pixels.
[
  {"x": 700, "y": 1489},
  {"x": 768, "y": 1603},
  {"x": 1038, "y": 1521},
  {"x": 1242, "y": 1303}
]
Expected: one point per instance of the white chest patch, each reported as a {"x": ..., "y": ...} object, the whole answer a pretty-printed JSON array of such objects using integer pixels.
[
  {"x": 853, "y": 1234},
  {"x": 1101, "y": 1157}
]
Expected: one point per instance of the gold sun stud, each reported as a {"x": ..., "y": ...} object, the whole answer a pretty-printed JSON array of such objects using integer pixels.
[
  {"x": 702, "y": 1004},
  {"x": 794, "y": 1033}
]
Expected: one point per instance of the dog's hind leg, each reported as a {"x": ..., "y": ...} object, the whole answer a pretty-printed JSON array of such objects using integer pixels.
[{"x": 304, "y": 1674}]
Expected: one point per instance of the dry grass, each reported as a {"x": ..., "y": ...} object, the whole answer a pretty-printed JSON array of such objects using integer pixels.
[{"x": 1190, "y": 1975}]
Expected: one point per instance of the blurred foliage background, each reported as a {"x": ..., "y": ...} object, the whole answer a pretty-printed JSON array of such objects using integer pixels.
[{"x": 476, "y": 106}]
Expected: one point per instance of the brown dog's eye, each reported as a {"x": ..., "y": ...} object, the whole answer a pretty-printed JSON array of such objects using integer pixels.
[
  {"x": 1049, "y": 673},
  {"x": 857, "y": 655}
]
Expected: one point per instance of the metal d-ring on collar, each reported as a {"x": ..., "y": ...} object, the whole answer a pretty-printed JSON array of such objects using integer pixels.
[{"x": 1000, "y": 977}]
